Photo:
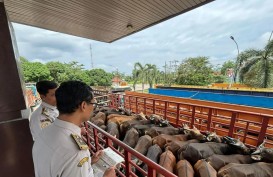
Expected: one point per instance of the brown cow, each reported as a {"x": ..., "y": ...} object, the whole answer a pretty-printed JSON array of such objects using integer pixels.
[
  {"x": 155, "y": 131},
  {"x": 143, "y": 144},
  {"x": 259, "y": 169},
  {"x": 237, "y": 145},
  {"x": 213, "y": 137},
  {"x": 174, "y": 146},
  {"x": 118, "y": 115},
  {"x": 204, "y": 169},
  {"x": 194, "y": 133},
  {"x": 197, "y": 151},
  {"x": 113, "y": 129},
  {"x": 263, "y": 153},
  {"x": 131, "y": 137},
  {"x": 100, "y": 116},
  {"x": 184, "y": 169},
  {"x": 218, "y": 161},
  {"x": 168, "y": 161},
  {"x": 124, "y": 126},
  {"x": 120, "y": 119},
  {"x": 162, "y": 139},
  {"x": 142, "y": 129},
  {"x": 153, "y": 153}
]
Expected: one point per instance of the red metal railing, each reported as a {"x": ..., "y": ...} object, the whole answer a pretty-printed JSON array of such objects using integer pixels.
[
  {"x": 251, "y": 127},
  {"x": 99, "y": 139}
]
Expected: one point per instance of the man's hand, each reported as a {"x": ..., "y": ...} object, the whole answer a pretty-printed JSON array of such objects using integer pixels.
[
  {"x": 110, "y": 172},
  {"x": 96, "y": 157}
]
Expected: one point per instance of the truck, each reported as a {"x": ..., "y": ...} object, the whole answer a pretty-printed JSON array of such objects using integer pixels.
[{"x": 105, "y": 21}]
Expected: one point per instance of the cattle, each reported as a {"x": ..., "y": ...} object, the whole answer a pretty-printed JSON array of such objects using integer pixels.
[
  {"x": 197, "y": 151},
  {"x": 174, "y": 146},
  {"x": 184, "y": 169},
  {"x": 119, "y": 119},
  {"x": 218, "y": 161},
  {"x": 155, "y": 131},
  {"x": 131, "y": 137},
  {"x": 194, "y": 133},
  {"x": 118, "y": 115},
  {"x": 156, "y": 119},
  {"x": 142, "y": 129},
  {"x": 100, "y": 116},
  {"x": 204, "y": 169},
  {"x": 263, "y": 154},
  {"x": 113, "y": 129},
  {"x": 260, "y": 169},
  {"x": 124, "y": 126},
  {"x": 153, "y": 153},
  {"x": 124, "y": 111},
  {"x": 237, "y": 145},
  {"x": 213, "y": 137},
  {"x": 110, "y": 111},
  {"x": 143, "y": 144},
  {"x": 168, "y": 161},
  {"x": 162, "y": 139}
]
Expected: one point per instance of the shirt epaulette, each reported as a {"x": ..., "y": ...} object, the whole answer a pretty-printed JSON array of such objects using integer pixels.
[
  {"x": 45, "y": 112},
  {"x": 82, "y": 145}
]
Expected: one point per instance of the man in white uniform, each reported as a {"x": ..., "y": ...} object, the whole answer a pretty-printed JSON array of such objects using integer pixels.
[
  {"x": 59, "y": 150},
  {"x": 47, "y": 112}
]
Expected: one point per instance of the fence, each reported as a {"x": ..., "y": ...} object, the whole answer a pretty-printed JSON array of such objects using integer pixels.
[
  {"x": 251, "y": 127},
  {"x": 99, "y": 139}
]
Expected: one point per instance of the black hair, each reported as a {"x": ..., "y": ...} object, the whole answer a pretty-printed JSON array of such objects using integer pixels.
[
  {"x": 44, "y": 86},
  {"x": 71, "y": 94}
]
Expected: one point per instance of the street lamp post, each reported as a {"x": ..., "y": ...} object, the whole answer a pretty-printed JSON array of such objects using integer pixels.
[{"x": 237, "y": 62}]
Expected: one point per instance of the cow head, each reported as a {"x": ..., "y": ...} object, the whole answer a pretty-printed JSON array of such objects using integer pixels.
[
  {"x": 237, "y": 144},
  {"x": 263, "y": 153},
  {"x": 213, "y": 137},
  {"x": 163, "y": 123}
]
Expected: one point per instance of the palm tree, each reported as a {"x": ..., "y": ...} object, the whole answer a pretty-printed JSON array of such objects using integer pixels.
[
  {"x": 256, "y": 66},
  {"x": 151, "y": 73},
  {"x": 140, "y": 74}
]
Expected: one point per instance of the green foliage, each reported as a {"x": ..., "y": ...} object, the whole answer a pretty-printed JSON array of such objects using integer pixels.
[
  {"x": 57, "y": 71},
  {"x": 256, "y": 67},
  {"x": 147, "y": 73},
  {"x": 34, "y": 71},
  {"x": 228, "y": 64},
  {"x": 218, "y": 78},
  {"x": 60, "y": 72},
  {"x": 195, "y": 71},
  {"x": 98, "y": 77}
]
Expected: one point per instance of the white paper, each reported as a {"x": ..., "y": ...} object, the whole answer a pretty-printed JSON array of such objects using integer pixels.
[{"x": 108, "y": 159}]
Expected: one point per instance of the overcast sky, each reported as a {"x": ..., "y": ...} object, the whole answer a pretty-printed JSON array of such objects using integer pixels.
[{"x": 205, "y": 31}]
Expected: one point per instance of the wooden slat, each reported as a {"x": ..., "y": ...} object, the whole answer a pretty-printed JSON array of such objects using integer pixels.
[{"x": 105, "y": 20}]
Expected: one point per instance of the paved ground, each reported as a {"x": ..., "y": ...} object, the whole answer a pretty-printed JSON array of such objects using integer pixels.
[{"x": 139, "y": 87}]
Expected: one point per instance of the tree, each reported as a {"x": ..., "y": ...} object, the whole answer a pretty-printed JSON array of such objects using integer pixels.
[
  {"x": 195, "y": 71},
  {"x": 99, "y": 77},
  {"x": 228, "y": 64},
  {"x": 257, "y": 66},
  {"x": 57, "y": 71},
  {"x": 139, "y": 74},
  {"x": 34, "y": 71},
  {"x": 151, "y": 72}
]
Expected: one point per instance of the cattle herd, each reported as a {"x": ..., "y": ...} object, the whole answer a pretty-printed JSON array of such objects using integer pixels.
[{"x": 184, "y": 151}]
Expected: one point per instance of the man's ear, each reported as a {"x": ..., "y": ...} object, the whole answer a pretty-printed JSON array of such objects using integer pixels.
[
  {"x": 83, "y": 106},
  {"x": 42, "y": 96}
]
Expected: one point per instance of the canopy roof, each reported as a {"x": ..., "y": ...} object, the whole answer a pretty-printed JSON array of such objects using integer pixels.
[{"x": 101, "y": 20}]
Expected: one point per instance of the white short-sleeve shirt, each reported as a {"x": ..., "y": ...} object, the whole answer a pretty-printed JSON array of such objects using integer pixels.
[
  {"x": 56, "y": 153},
  {"x": 43, "y": 116}
]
